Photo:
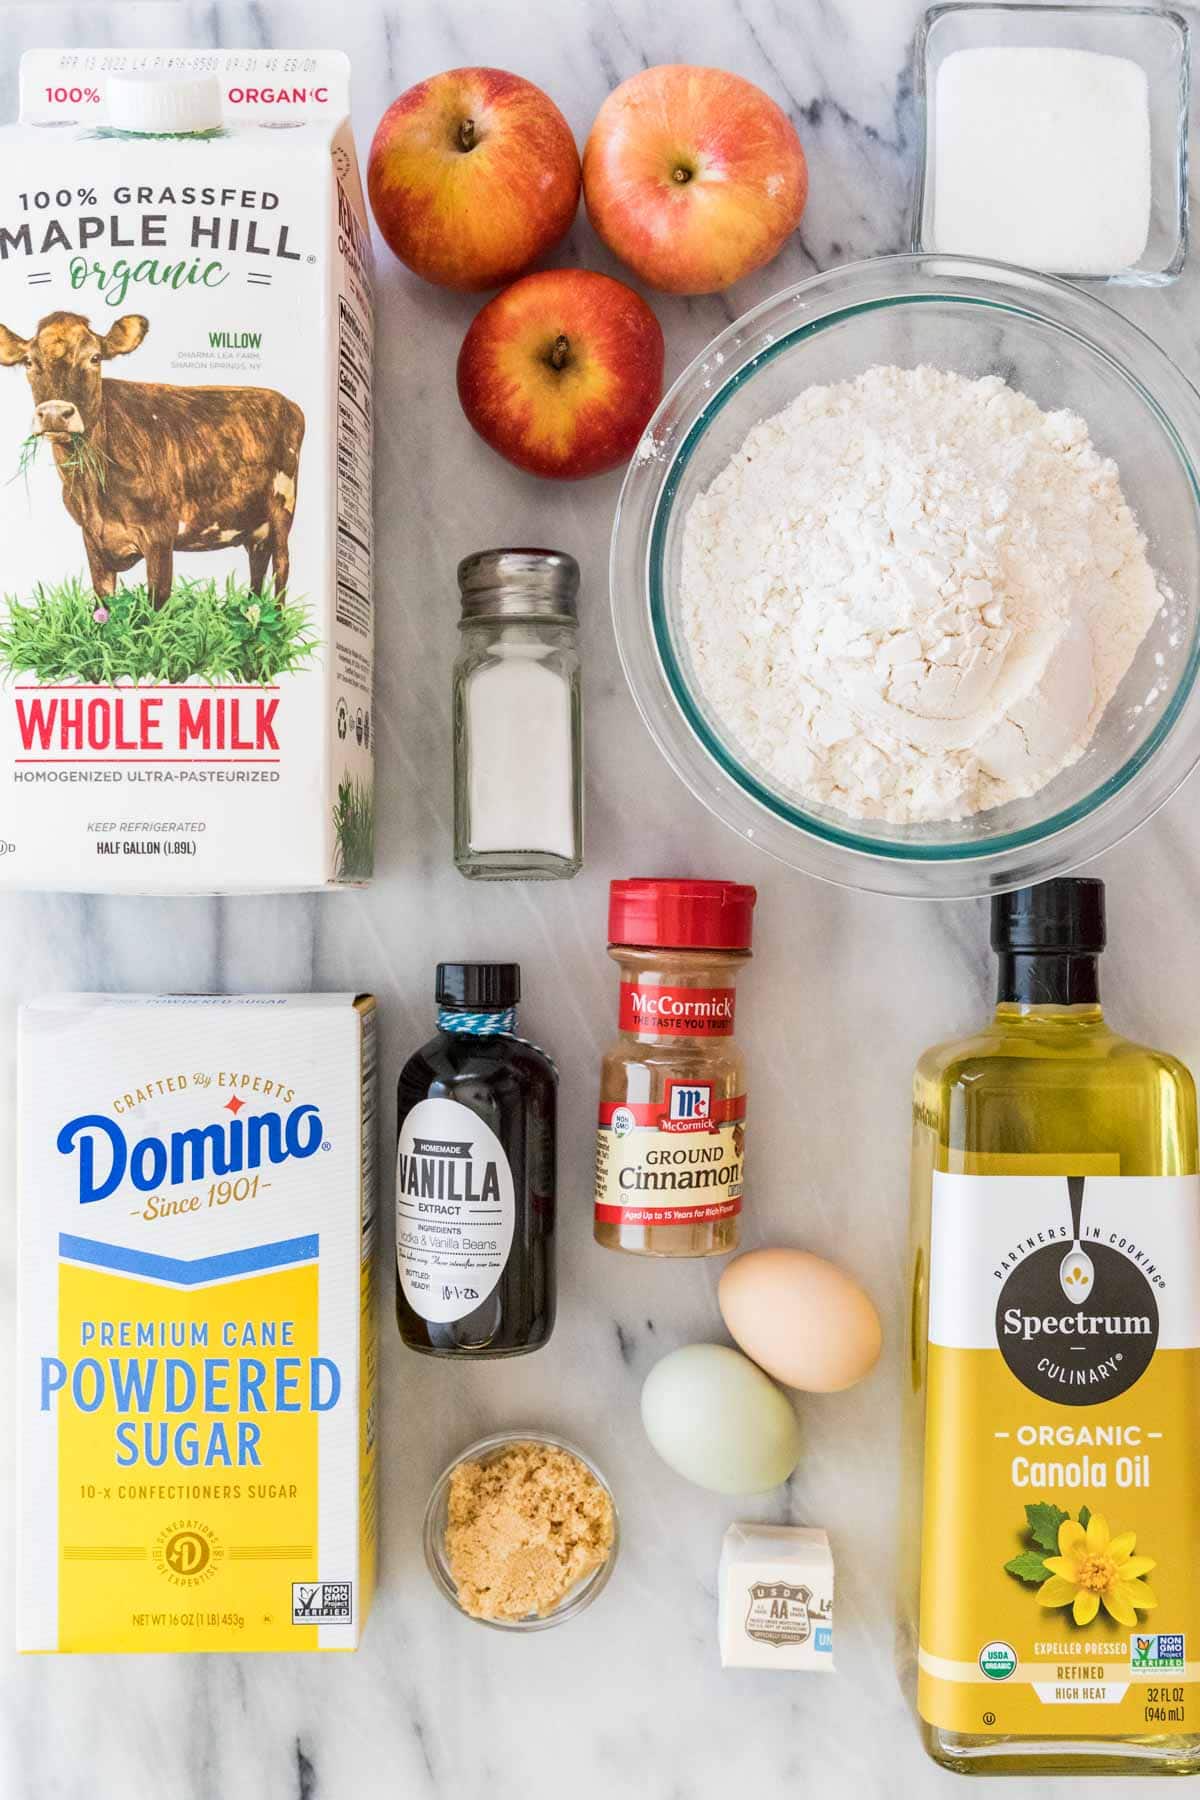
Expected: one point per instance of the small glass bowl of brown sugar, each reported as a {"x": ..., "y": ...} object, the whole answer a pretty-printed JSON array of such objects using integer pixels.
[{"x": 521, "y": 1531}]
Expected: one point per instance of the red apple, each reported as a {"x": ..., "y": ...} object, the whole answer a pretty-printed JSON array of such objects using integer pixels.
[
  {"x": 693, "y": 177},
  {"x": 561, "y": 372},
  {"x": 472, "y": 176}
]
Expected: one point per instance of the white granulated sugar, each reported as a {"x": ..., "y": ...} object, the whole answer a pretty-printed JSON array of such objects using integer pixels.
[
  {"x": 911, "y": 596},
  {"x": 1042, "y": 156}
]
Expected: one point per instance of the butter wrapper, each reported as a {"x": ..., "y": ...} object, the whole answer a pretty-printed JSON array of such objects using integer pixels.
[{"x": 775, "y": 1589}]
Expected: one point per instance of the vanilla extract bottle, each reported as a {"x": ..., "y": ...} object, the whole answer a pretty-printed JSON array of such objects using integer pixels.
[
  {"x": 1053, "y": 1432},
  {"x": 476, "y": 1176}
]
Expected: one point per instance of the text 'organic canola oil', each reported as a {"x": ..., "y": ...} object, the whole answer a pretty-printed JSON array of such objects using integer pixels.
[{"x": 1055, "y": 1376}]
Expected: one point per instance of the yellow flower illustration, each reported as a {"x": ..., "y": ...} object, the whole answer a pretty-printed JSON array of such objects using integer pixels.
[{"x": 1093, "y": 1567}]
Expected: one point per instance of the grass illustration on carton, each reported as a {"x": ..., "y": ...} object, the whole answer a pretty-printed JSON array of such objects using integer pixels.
[
  {"x": 81, "y": 459},
  {"x": 354, "y": 828},
  {"x": 218, "y": 633}
]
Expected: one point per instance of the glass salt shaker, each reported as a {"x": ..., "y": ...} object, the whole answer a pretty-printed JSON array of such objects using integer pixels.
[{"x": 518, "y": 718}]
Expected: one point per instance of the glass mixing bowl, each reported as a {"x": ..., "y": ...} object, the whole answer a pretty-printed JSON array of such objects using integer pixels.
[{"x": 1062, "y": 347}]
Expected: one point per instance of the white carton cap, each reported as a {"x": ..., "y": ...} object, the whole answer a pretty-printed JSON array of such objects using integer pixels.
[{"x": 164, "y": 103}]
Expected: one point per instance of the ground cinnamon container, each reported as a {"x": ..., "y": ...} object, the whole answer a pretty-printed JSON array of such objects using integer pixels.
[{"x": 671, "y": 1141}]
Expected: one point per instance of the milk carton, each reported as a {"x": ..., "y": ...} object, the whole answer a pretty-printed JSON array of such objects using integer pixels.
[
  {"x": 185, "y": 475},
  {"x": 196, "y": 1363}
]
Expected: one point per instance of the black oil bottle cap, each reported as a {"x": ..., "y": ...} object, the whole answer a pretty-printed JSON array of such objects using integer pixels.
[
  {"x": 1066, "y": 915},
  {"x": 478, "y": 987}
]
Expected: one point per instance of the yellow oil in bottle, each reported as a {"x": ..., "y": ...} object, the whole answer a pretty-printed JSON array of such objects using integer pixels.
[{"x": 1053, "y": 1386}]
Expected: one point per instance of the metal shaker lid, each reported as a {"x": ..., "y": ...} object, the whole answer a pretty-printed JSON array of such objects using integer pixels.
[{"x": 519, "y": 584}]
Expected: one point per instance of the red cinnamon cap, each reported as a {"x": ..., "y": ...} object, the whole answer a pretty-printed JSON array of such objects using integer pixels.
[{"x": 681, "y": 915}]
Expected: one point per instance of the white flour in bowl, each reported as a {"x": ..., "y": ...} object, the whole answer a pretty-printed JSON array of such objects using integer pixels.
[{"x": 911, "y": 596}]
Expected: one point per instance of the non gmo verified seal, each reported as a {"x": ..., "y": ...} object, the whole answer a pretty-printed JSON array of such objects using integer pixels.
[
  {"x": 1165, "y": 1650},
  {"x": 998, "y": 1660},
  {"x": 322, "y": 1602}
]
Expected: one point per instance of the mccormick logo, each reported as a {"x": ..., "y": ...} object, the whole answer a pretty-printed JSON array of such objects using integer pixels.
[
  {"x": 106, "y": 1157},
  {"x": 691, "y": 1100},
  {"x": 676, "y": 1011},
  {"x": 691, "y": 1106},
  {"x": 649, "y": 1004}
]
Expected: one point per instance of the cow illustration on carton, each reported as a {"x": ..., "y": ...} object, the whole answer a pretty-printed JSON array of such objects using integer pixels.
[{"x": 149, "y": 468}]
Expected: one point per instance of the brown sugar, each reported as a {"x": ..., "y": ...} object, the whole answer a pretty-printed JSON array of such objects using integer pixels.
[{"x": 523, "y": 1528}]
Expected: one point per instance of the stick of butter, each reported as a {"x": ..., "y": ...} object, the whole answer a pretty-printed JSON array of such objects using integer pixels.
[{"x": 775, "y": 1597}]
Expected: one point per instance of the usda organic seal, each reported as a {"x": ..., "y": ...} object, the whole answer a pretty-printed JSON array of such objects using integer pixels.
[{"x": 998, "y": 1660}]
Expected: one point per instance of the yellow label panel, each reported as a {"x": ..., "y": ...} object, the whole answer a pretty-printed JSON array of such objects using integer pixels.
[
  {"x": 180, "y": 1527},
  {"x": 1066, "y": 1678},
  {"x": 1060, "y": 1567}
]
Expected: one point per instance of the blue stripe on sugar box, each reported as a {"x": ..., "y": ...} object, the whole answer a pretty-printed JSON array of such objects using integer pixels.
[{"x": 188, "y": 1272}]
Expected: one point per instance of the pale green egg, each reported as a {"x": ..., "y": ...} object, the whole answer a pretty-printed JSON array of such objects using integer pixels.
[{"x": 717, "y": 1420}]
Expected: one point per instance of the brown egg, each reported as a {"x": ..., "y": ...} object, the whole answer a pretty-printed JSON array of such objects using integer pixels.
[{"x": 800, "y": 1318}]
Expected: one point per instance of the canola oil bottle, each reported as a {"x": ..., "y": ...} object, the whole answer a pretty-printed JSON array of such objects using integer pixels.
[{"x": 1053, "y": 1618}]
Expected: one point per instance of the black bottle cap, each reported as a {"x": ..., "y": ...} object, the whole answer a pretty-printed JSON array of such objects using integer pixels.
[
  {"x": 478, "y": 987},
  {"x": 1066, "y": 915}
]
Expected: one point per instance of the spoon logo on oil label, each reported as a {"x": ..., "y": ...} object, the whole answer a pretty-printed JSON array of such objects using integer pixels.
[
  {"x": 1077, "y": 1271},
  {"x": 1079, "y": 1328}
]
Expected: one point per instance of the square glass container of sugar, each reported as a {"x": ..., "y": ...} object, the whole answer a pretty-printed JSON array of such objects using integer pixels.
[
  {"x": 1055, "y": 137},
  {"x": 775, "y": 1598}
]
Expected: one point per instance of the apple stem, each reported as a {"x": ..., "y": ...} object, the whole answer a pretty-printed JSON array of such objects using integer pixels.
[
  {"x": 561, "y": 352},
  {"x": 681, "y": 174},
  {"x": 467, "y": 138}
]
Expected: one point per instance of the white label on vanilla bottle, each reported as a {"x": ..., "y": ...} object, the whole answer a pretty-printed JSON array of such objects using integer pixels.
[{"x": 454, "y": 1210}]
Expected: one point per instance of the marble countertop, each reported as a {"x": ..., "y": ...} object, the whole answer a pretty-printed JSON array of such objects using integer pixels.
[{"x": 843, "y": 994}]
